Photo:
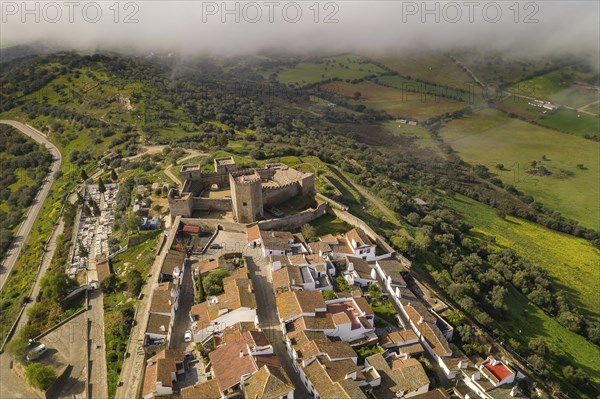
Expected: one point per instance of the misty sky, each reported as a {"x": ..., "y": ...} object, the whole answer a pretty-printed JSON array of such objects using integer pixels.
[{"x": 192, "y": 27}]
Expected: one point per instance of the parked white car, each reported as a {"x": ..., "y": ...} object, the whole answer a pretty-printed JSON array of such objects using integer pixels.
[{"x": 188, "y": 336}]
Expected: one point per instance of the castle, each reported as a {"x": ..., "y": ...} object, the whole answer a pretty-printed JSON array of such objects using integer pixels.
[{"x": 246, "y": 192}]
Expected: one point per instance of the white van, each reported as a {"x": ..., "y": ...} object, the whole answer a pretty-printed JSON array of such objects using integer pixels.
[{"x": 36, "y": 352}]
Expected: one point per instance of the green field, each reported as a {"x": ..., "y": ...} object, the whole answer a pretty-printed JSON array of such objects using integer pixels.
[
  {"x": 340, "y": 67},
  {"x": 491, "y": 138},
  {"x": 421, "y": 135},
  {"x": 525, "y": 321},
  {"x": 570, "y": 121},
  {"x": 559, "y": 86},
  {"x": 430, "y": 67},
  {"x": 400, "y": 104},
  {"x": 572, "y": 262}
]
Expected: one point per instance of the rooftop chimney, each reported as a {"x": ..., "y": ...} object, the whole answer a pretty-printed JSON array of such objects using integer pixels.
[{"x": 241, "y": 353}]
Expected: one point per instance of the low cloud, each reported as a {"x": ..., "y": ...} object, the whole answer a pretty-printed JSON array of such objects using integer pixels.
[{"x": 247, "y": 27}]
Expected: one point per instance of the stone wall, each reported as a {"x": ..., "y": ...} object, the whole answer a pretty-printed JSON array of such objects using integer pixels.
[
  {"x": 213, "y": 224},
  {"x": 217, "y": 204},
  {"x": 179, "y": 205},
  {"x": 273, "y": 196},
  {"x": 294, "y": 221},
  {"x": 353, "y": 220}
]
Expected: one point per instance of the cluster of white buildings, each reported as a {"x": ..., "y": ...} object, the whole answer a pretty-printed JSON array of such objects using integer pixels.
[{"x": 93, "y": 231}]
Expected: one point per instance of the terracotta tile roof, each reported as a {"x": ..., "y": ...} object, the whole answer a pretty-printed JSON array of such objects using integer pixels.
[
  {"x": 326, "y": 383},
  {"x": 229, "y": 367},
  {"x": 279, "y": 258},
  {"x": 237, "y": 293},
  {"x": 172, "y": 260},
  {"x": 297, "y": 259},
  {"x": 162, "y": 301},
  {"x": 322, "y": 321},
  {"x": 102, "y": 268},
  {"x": 393, "y": 269},
  {"x": 361, "y": 267},
  {"x": 359, "y": 237},
  {"x": 285, "y": 278},
  {"x": 158, "y": 324},
  {"x": 319, "y": 246},
  {"x": 324, "y": 346},
  {"x": 343, "y": 247},
  {"x": 412, "y": 349},
  {"x": 276, "y": 240},
  {"x": 363, "y": 305},
  {"x": 298, "y": 338},
  {"x": 416, "y": 311},
  {"x": 402, "y": 376},
  {"x": 341, "y": 318},
  {"x": 253, "y": 233},
  {"x": 434, "y": 338},
  {"x": 397, "y": 338},
  {"x": 163, "y": 364},
  {"x": 337, "y": 370},
  {"x": 351, "y": 390},
  {"x": 206, "y": 266},
  {"x": 268, "y": 383},
  {"x": 498, "y": 370},
  {"x": 435, "y": 394},
  {"x": 292, "y": 304},
  {"x": 329, "y": 239},
  {"x": 235, "y": 331},
  {"x": 206, "y": 390},
  {"x": 314, "y": 259}
]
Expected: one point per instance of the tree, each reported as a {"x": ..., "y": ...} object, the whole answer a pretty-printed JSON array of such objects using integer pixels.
[
  {"x": 110, "y": 284},
  {"x": 375, "y": 292},
  {"x": 18, "y": 347},
  {"x": 500, "y": 166},
  {"x": 342, "y": 284},
  {"x": 133, "y": 223},
  {"x": 213, "y": 282},
  {"x": 101, "y": 186},
  {"x": 113, "y": 175},
  {"x": 55, "y": 286},
  {"x": 84, "y": 175},
  {"x": 538, "y": 346},
  {"x": 328, "y": 295},
  {"x": 575, "y": 376},
  {"x": 40, "y": 376},
  {"x": 466, "y": 333},
  {"x": 308, "y": 231},
  {"x": 134, "y": 282}
]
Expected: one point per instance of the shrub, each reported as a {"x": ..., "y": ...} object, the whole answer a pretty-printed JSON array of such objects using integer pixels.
[{"x": 40, "y": 376}]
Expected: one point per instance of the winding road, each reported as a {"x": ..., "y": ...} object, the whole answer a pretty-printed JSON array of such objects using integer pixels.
[{"x": 15, "y": 247}]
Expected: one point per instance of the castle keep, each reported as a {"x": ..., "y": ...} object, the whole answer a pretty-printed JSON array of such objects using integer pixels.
[{"x": 245, "y": 192}]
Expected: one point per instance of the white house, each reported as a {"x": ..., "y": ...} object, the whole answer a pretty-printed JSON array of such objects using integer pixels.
[
  {"x": 359, "y": 272},
  {"x": 161, "y": 372}
]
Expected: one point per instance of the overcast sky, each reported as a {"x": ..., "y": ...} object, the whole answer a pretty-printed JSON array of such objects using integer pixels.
[{"x": 193, "y": 27}]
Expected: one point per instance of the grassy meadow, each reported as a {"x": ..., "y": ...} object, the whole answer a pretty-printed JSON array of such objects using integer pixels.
[
  {"x": 430, "y": 67},
  {"x": 399, "y": 104},
  {"x": 340, "y": 67},
  {"x": 491, "y": 138},
  {"x": 559, "y": 87},
  {"x": 572, "y": 262}
]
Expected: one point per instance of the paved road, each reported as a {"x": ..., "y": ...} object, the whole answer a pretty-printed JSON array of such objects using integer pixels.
[
  {"x": 38, "y": 202},
  {"x": 266, "y": 309},
  {"x": 98, "y": 388},
  {"x": 133, "y": 365}
]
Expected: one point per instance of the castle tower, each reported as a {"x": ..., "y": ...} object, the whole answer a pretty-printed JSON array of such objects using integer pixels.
[{"x": 246, "y": 196}]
